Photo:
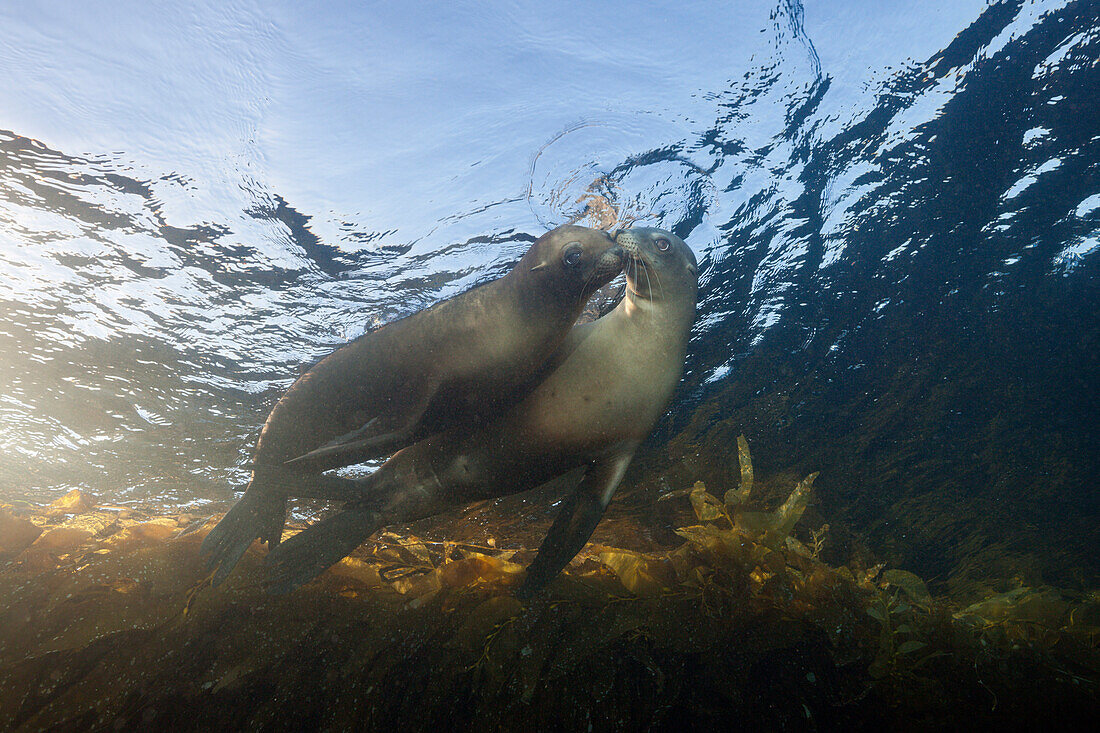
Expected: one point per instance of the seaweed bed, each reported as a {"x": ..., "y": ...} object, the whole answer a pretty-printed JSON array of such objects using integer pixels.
[{"x": 107, "y": 621}]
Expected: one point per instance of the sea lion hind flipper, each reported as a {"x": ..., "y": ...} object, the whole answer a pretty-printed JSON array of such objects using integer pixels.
[
  {"x": 226, "y": 558},
  {"x": 580, "y": 513},
  {"x": 313, "y": 550},
  {"x": 257, "y": 515}
]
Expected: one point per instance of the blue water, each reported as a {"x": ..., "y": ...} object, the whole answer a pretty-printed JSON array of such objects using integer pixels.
[{"x": 197, "y": 201}]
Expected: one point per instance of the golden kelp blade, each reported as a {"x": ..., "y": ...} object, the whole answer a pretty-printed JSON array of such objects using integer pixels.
[
  {"x": 913, "y": 586},
  {"x": 787, "y": 515},
  {"x": 755, "y": 523},
  {"x": 741, "y": 493},
  {"x": 638, "y": 573},
  {"x": 1045, "y": 607},
  {"x": 706, "y": 506},
  {"x": 745, "y": 459}
]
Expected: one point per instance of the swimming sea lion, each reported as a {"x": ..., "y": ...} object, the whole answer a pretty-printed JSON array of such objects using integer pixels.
[
  {"x": 611, "y": 380},
  {"x": 444, "y": 366}
]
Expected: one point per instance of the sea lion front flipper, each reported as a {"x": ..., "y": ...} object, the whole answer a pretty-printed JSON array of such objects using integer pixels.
[
  {"x": 341, "y": 452},
  {"x": 374, "y": 439},
  {"x": 580, "y": 513},
  {"x": 356, "y": 434}
]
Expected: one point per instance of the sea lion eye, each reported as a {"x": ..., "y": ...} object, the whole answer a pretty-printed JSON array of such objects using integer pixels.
[
  {"x": 662, "y": 244},
  {"x": 572, "y": 257}
]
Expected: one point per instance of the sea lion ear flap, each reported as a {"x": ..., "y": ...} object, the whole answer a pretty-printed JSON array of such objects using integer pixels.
[{"x": 539, "y": 266}]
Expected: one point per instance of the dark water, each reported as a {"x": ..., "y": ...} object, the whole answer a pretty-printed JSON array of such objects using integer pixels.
[{"x": 896, "y": 206}]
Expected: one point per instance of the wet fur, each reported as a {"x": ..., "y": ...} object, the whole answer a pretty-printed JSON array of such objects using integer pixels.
[
  {"x": 608, "y": 383},
  {"x": 443, "y": 366}
]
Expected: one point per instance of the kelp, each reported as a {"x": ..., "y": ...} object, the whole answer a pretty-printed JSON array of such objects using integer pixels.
[
  {"x": 107, "y": 620},
  {"x": 733, "y": 497}
]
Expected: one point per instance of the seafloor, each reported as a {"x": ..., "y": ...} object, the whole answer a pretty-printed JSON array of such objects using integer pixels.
[{"x": 107, "y": 621}]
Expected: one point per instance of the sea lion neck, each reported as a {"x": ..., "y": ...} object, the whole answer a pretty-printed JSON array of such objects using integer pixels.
[
  {"x": 635, "y": 302},
  {"x": 539, "y": 292},
  {"x": 672, "y": 310},
  {"x": 653, "y": 288}
]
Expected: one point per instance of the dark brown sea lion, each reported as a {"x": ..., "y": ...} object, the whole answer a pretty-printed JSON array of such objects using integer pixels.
[
  {"x": 445, "y": 366},
  {"x": 610, "y": 382}
]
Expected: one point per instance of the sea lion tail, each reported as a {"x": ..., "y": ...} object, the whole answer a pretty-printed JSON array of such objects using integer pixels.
[
  {"x": 310, "y": 552},
  {"x": 258, "y": 515}
]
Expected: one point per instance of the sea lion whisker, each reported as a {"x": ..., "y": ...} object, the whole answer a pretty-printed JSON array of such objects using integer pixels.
[
  {"x": 583, "y": 295},
  {"x": 648, "y": 282},
  {"x": 660, "y": 285}
]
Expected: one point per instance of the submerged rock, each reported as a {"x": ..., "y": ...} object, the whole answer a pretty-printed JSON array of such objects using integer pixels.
[
  {"x": 16, "y": 533},
  {"x": 74, "y": 502}
]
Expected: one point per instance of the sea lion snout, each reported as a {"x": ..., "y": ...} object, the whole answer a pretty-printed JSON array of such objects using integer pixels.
[
  {"x": 612, "y": 260},
  {"x": 630, "y": 241}
]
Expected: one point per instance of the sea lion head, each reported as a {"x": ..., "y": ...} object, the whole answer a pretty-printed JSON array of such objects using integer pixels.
[
  {"x": 659, "y": 265},
  {"x": 573, "y": 261}
]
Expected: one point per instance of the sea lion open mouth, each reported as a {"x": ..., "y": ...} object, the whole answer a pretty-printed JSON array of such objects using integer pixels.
[{"x": 637, "y": 263}]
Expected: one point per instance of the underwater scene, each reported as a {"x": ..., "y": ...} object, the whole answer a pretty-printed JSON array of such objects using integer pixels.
[{"x": 549, "y": 366}]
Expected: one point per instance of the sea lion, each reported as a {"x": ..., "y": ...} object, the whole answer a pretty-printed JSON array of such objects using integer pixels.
[
  {"x": 611, "y": 380},
  {"x": 448, "y": 365}
]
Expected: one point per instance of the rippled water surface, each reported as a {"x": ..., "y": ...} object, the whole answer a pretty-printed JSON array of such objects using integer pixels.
[{"x": 197, "y": 201}]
